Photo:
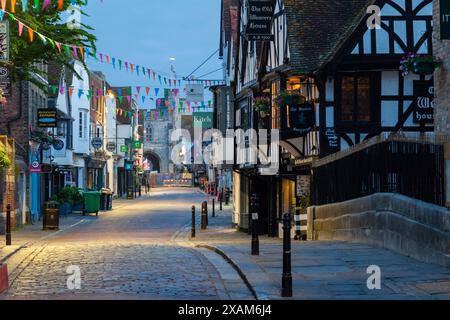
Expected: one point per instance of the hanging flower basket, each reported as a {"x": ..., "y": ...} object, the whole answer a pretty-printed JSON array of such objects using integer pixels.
[
  {"x": 290, "y": 98},
  {"x": 262, "y": 105},
  {"x": 42, "y": 137},
  {"x": 5, "y": 161},
  {"x": 418, "y": 64}
]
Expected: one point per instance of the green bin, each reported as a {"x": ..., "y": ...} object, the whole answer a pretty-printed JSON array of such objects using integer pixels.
[{"x": 91, "y": 202}]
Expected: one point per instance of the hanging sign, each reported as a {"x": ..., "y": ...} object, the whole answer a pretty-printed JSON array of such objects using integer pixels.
[
  {"x": 123, "y": 148},
  {"x": 297, "y": 120},
  {"x": 137, "y": 144},
  {"x": 47, "y": 118},
  {"x": 111, "y": 146},
  {"x": 259, "y": 20},
  {"x": 445, "y": 19},
  {"x": 4, "y": 41},
  {"x": 194, "y": 93},
  {"x": 424, "y": 102},
  {"x": 97, "y": 143},
  {"x": 58, "y": 144},
  {"x": 129, "y": 165},
  {"x": 5, "y": 81}
]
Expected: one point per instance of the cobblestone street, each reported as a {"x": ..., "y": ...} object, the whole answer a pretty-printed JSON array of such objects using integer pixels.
[{"x": 126, "y": 253}]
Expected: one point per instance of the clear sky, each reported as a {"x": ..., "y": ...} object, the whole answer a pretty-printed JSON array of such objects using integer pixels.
[{"x": 149, "y": 32}]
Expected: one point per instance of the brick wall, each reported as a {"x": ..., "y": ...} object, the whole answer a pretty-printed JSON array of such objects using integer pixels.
[{"x": 442, "y": 77}]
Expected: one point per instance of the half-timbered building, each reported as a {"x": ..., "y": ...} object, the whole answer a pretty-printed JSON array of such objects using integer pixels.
[{"x": 343, "y": 59}]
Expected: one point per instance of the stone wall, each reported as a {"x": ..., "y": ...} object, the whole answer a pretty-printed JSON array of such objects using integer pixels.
[
  {"x": 392, "y": 221},
  {"x": 441, "y": 50}
]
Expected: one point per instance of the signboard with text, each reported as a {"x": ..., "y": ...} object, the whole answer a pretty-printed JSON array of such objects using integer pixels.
[
  {"x": 297, "y": 120},
  {"x": 195, "y": 93},
  {"x": 97, "y": 143},
  {"x": 47, "y": 118},
  {"x": 445, "y": 19},
  {"x": 203, "y": 119},
  {"x": 259, "y": 20},
  {"x": 4, "y": 41},
  {"x": 423, "y": 102},
  {"x": 137, "y": 144}
]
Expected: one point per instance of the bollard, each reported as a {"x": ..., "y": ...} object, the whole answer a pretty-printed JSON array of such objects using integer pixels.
[
  {"x": 203, "y": 217},
  {"x": 193, "y": 222},
  {"x": 206, "y": 214},
  {"x": 213, "y": 207},
  {"x": 255, "y": 238},
  {"x": 8, "y": 225},
  {"x": 286, "y": 282},
  {"x": 221, "y": 200}
]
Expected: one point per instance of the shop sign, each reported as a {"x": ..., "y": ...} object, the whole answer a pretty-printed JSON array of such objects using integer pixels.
[
  {"x": 445, "y": 19},
  {"x": 303, "y": 186},
  {"x": 297, "y": 120},
  {"x": 203, "y": 119},
  {"x": 59, "y": 148},
  {"x": 46, "y": 168},
  {"x": 124, "y": 148},
  {"x": 423, "y": 102},
  {"x": 332, "y": 142},
  {"x": 111, "y": 146},
  {"x": 4, "y": 41},
  {"x": 5, "y": 81},
  {"x": 58, "y": 145},
  {"x": 195, "y": 93},
  {"x": 47, "y": 118},
  {"x": 137, "y": 144},
  {"x": 259, "y": 20},
  {"x": 97, "y": 143},
  {"x": 129, "y": 165},
  {"x": 35, "y": 167}
]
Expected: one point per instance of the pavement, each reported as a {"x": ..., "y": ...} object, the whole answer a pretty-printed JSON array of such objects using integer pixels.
[
  {"x": 323, "y": 270},
  {"x": 143, "y": 250},
  {"x": 127, "y": 253}
]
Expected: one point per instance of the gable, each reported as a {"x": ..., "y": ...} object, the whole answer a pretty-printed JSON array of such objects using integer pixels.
[{"x": 406, "y": 26}]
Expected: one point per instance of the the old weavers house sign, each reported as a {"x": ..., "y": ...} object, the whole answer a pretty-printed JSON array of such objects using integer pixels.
[{"x": 259, "y": 21}]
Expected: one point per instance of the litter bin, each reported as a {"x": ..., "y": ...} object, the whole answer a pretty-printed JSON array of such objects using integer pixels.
[
  {"x": 106, "y": 200},
  {"x": 51, "y": 216},
  {"x": 91, "y": 202}
]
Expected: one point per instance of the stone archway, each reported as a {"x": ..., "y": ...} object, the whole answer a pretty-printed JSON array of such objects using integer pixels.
[{"x": 154, "y": 159}]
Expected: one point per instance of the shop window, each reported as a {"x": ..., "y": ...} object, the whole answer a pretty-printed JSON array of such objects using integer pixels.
[{"x": 275, "y": 111}]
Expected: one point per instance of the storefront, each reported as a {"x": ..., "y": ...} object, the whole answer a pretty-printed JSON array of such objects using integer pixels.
[{"x": 95, "y": 174}]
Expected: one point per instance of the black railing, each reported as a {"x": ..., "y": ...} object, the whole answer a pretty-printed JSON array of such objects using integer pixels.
[{"x": 413, "y": 169}]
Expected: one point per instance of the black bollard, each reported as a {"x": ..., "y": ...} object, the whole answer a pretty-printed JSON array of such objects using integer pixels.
[
  {"x": 255, "y": 238},
  {"x": 286, "y": 282},
  {"x": 193, "y": 222},
  {"x": 213, "y": 207},
  {"x": 8, "y": 225},
  {"x": 204, "y": 216},
  {"x": 221, "y": 200}
]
